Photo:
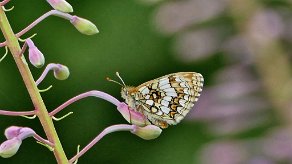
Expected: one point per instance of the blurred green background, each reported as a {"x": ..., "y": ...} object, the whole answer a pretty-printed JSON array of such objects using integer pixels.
[{"x": 242, "y": 48}]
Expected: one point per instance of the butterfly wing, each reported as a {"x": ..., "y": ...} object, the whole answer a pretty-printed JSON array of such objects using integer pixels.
[{"x": 171, "y": 97}]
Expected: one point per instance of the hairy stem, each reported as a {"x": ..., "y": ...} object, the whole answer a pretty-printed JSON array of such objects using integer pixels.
[{"x": 41, "y": 111}]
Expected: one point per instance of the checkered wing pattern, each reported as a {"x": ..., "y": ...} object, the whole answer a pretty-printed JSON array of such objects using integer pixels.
[{"x": 166, "y": 100}]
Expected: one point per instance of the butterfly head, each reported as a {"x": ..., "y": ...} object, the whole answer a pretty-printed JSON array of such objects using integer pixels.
[
  {"x": 125, "y": 91},
  {"x": 126, "y": 94}
]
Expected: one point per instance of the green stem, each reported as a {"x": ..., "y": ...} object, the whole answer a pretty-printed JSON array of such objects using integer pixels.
[{"x": 41, "y": 111}]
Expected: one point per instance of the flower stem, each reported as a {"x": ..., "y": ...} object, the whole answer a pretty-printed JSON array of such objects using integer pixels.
[
  {"x": 37, "y": 21},
  {"x": 41, "y": 111},
  {"x": 93, "y": 93},
  {"x": 4, "y": 2},
  {"x": 110, "y": 129},
  {"x": 13, "y": 113}
]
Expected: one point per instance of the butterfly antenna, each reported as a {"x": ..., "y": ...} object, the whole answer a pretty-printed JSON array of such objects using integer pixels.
[
  {"x": 117, "y": 73},
  {"x": 109, "y": 79}
]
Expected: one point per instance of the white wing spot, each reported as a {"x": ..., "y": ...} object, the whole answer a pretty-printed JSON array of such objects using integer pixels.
[
  {"x": 164, "y": 102},
  {"x": 186, "y": 91},
  {"x": 150, "y": 102},
  {"x": 165, "y": 86},
  {"x": 179, "y": 109},
  {"x": 144, "y": 91},
  {"x": 159, "y": 113},
  {"x": 179, "y": 79},
  {"x": 182, "y": 102},
  {"x": 186, "y": 97},
  {"x": 183, "y": 84},
  {"x": 169, "y": 90},
  {"x": 167, "y": 98},
  {"x": 173, "y": 94},
  {"x": 163, "y": 82},
  {"x": 165, "y": 109}
]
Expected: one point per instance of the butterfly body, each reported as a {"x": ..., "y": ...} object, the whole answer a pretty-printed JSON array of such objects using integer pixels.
[{"x": 165, "y": 100}]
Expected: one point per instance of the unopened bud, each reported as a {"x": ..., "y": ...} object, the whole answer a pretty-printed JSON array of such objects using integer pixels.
[
  {"x": 35, "y": 56},
  {"x": 12, "y": 131},
  {"x": 10, "y": 147},
  {"x": 61, "y": 5},
  {"x": 25, "y": 132},
  {"x": 84, "y": 26},
  {"x": 18, "y": 132},
  {"x": 61, "y": 72},
  {"x": 148, "y": 132}
]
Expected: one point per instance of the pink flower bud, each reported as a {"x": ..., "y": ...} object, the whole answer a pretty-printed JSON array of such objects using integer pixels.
[
  {"x": 61, "y": 72},
  {"x": 36, "y": 58},
  {"x": 61, "y": 5},
  {"x": 10, "y": 147},
  {"x": 84, "y": 26},
  {"x": 131, "y": 116},
  {"x": 148, "y": 132},
  {"x": 12, "y": 131},
  {"x": 25, "y": 132},
  {"x": 18, "y": 132}
]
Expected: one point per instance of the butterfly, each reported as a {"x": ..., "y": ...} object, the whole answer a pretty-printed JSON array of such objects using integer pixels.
[{"x": 166, "y": 100}]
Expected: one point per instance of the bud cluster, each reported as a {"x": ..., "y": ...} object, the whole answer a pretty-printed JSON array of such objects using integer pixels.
[{"x": 14, "y": 135}]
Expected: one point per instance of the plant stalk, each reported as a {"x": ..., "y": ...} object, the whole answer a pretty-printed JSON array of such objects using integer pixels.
[{"x": 40, "y": 108}]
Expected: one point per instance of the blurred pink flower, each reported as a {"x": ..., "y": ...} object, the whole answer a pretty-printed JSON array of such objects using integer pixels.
[
  {"x": 239, "y": 48},
  {"x": 266, "y": 25},
  {"x": 278, "y": 144},
  {"x": 231, "y": 106},
  {"x": 223, "y": 152},
  {"x": 195, "y": 45},
  {"x": 274, "y": 147},
  {"x": 175, "y": 16}
]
